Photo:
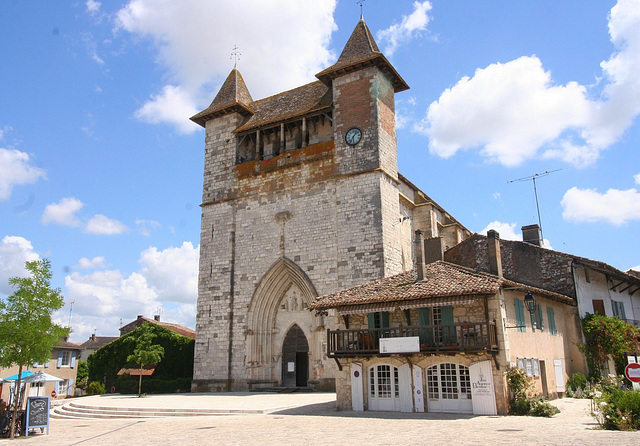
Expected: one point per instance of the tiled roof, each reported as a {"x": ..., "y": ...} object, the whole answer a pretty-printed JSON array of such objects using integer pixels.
[
  {"x": 361, "y": 50},
  {"x": 176, "y": 328},
  {"x": 233, "y": 96},
  {"x": 289, "y": 104},
  {"x": 96, "y": 342},
  {"x": 442, "y": 279}
]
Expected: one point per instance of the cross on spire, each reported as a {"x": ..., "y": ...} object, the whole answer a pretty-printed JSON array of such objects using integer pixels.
[
  {"x": 235, "y": 54},
  {"x": 361, "y": 2}
]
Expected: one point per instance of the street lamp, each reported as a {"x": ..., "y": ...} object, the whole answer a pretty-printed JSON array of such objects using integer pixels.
[{"x": 530, "y": 302}]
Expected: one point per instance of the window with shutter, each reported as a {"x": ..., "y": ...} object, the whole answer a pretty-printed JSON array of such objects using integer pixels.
[{"x": 520, "y": 323}]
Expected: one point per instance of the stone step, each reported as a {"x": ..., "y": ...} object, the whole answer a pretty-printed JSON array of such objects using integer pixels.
[{"x": 75, "y": 410}]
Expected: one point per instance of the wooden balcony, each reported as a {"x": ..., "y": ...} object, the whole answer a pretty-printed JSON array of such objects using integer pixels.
[{"x": 466, "y": 336}]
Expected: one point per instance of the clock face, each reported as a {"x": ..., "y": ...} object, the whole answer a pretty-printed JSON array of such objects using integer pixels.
[{"x": 353, "y": 136}]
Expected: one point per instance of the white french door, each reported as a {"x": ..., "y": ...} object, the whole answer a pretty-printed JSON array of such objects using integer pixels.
[
  {"x": 384, "y": 388},
  {"x": 449, "y": 388}
]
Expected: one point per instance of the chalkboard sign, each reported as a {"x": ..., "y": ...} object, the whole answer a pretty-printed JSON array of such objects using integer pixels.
[{"x": 37, "y": 412}]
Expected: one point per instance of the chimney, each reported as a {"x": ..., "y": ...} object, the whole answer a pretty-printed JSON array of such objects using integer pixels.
[
  {"x": 156, "y": 317},
  {"x": 532, "y": 234},
  {"x": 495, "y": 259},
  {"x": 418, "y": 247},
  {"x": 434, "y": 250}
]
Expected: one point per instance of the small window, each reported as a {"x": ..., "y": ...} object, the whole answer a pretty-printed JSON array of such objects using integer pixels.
[
  {"x": 618, "y": 309},
  {"x": 66, "y": 358},
  {"x": 529, "y": 366},
  {"x": 536, "y": 366}
]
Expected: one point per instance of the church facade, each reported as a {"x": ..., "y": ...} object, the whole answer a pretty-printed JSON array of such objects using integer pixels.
[{"x": 301, "y": 198}]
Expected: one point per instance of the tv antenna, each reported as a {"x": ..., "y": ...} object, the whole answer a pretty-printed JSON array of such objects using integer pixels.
[{"x": 533, "y": 179}]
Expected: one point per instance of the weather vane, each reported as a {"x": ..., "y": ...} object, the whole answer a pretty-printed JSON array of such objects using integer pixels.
[
  {"x": 235, "y": 54},
  {"x": 360, "y": 2}
]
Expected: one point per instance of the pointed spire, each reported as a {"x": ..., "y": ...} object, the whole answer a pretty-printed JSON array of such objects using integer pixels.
[
  {"x": 360, "y": 51},
  {"x": 233, "y": 96}
]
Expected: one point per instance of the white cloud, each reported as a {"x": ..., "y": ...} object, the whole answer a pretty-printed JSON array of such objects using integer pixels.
[
  {"x": 513, "y": 112},
  {"x": 102, "y": 225},
  {"x": 167, "y": 280},
  {"x": 510, "y": 110},
  {"x": 636, "y": 178},
  {"x": 412, "y": 24},
  {"x": 507, "y": 231},
  {"x": 196, "y": 54},
  {"x": 96, "y": 262},
  {"x": 16, "y": 170},
  {"x": 14, "y": 252},
  {"x": 173, "y": 106},
  {"x": 636, "y": 268},
  {"x": 172, "y": 273},
  {"x": 93, "y": 6},
  {"x": 615, "y": 207},
  {"x": 146, "y": 226},
  {"x": 63, "y": 212}
]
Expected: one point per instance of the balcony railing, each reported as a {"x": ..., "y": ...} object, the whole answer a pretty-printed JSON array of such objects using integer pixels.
[{"x": 466, "y": 336}]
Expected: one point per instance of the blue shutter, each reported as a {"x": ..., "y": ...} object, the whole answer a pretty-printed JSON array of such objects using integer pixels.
[
  {"x": 56, "y": 387},
  {"x": 59, "y": 358},
  {"x": 519, "y": 306},
  {"x": 70, "y": 387},
  {"x": 73, "y": 359}
]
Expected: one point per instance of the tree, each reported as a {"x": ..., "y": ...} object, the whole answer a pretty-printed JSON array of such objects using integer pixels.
[
  {"x": 145, "y": 353},
  {"x": 604, "y": 336},
  {"x": 27, "y": 333}
]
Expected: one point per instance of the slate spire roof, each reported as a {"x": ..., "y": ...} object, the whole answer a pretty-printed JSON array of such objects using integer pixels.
[
  {"x": 233, "y": 96},
  {"x": 361, "y": 51}
]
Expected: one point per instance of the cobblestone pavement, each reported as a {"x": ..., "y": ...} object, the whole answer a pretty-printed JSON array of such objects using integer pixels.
[{"x": 318, "y": 423}]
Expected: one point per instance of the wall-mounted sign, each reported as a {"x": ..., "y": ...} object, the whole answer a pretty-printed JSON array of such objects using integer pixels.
[
  {"x": 400, "y": 345},
  {"x": 291, "y": 366}
]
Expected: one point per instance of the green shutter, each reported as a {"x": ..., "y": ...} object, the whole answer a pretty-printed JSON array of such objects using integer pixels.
[
  {"x": 519, "y": 306},
  {"x": 371, "y": 320},
  {"x": 446, "y": 314},
  {"x": 552, "y": 321},
  {"x": 424, "y": 318},
  {"x": 384, "y": 319},
  {"x": 540, "y": 319}
]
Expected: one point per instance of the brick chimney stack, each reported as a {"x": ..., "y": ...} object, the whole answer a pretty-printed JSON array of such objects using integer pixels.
[
  {"x": 495, "y": 259},
  {"x": 418, "y": 247},
  {"x": 532, "y": 234}
]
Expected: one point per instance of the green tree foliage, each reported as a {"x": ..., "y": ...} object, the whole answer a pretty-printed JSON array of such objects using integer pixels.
[
  {"x": 145, "y": 352},
  {"x": 607, "y": 336},
  {"x": 27, "y": 333},
  {"x": 105, "y": 363},
  {"x": 83, "y": 373}
]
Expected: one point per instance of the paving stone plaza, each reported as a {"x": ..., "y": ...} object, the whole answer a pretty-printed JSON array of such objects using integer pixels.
[{"x": 311, "y": 418}]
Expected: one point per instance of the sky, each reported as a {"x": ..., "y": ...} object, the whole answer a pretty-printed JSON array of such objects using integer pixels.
[{"x": 101, "y": 170}]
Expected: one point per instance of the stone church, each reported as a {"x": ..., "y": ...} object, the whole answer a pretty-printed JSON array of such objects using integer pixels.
[{"x": 301, "y": 198}]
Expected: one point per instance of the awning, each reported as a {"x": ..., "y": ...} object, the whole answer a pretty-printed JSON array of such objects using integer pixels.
[
  {"x": 25, "y": 374},
  {"x": 406, "y": 305},
  {"x": 41, "y": 377},
  {"x": 458, "y": 301}
]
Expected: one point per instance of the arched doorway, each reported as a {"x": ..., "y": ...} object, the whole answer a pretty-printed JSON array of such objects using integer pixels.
[{"x": 295, "y": 358}]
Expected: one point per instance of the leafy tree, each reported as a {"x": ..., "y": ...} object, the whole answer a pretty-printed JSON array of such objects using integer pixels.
[
  {"x": 145, "y": 352},
  {"x": 27, "y": 333},
  {"x": 83, "y": 373},
  {"x": 607, "y": 336}
]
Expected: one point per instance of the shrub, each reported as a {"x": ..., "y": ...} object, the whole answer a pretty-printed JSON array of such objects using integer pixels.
[
  {"x": 616, "y": 408},
  {"x": 96, "y": 388},
  {"x": 577, "y": 381},
  {"x": 522, "y": 401}
]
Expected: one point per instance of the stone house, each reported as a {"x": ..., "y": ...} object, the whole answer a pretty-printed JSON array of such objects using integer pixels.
[
  {"x": 94, "y": 343},
  {"x": 301, "y": 197},
  {"x": 140, "y": 320},
  {"x": 63, "y": 364},
  {"x": 440, "y": 338}
]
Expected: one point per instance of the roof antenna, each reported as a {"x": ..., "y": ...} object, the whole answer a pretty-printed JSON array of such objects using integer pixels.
[
  {"x": 235, "y": 54},
  {"x": 535, "y": 192},
  {"x": 361, "y": 2}
]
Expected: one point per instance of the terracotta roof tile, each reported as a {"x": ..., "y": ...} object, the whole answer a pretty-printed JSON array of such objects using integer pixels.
[
  {"x": 233, "y": 96},
  {"x": 442, "y": 279}
]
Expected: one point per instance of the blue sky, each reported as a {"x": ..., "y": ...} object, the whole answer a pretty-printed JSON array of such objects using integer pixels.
[{"x": 101, "y": 169}]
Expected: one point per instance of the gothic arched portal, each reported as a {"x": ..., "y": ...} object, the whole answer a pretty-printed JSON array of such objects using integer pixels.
[{"x": 280, "y": 301}]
